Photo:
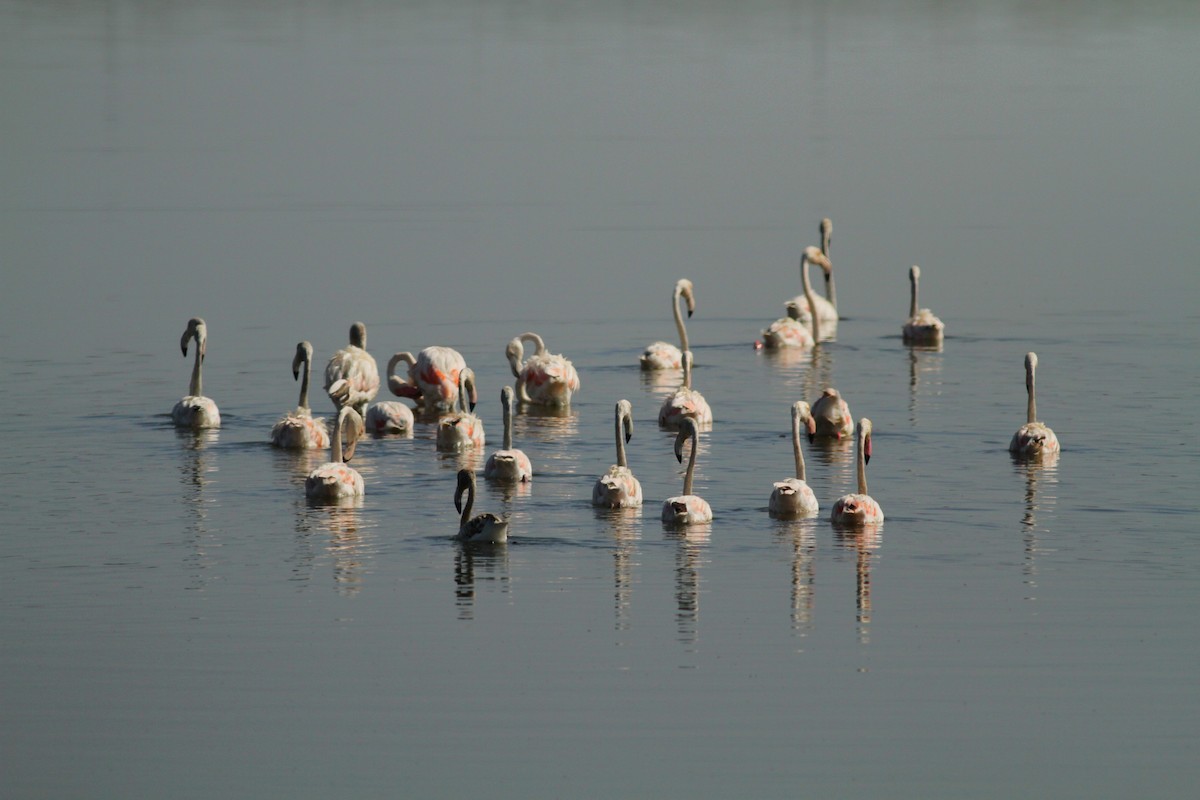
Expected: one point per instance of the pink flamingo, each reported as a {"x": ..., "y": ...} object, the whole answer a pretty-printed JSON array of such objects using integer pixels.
[
  {"x": 334, "y": 480},
  {"x": 832, "y": 415},
  {"x": 432, "y": 377},
  {"x": 194, "y": 410},
  {"x": 922, "y": 326},
  {"x": 356, "y": 366},
  {"x": 687, "y": 508},
  {"x": 859, "y": 508},
  {"x": 545, "y": 378},
  {"x": 662, "y": 355},
  {"x": 793, "y": 497},
  {"x": 299, "y": 429},
  {"x": 1033, "y": 439},
  {"x": 461, "y": 430},
  {"x": 618, "y": 488},
  {"x": 685, "y": 403}
]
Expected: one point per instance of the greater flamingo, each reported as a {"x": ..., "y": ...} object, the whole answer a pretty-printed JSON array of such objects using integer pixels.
[
  {"x": 1033, "y": 439},
  {"x": 788, "y": 332},
  {"x": 299, "y": 429},
  {"x": 793, "y": 497},
  {"x": 685, "y": 403},
  {"x": 334, "y": 480},
  {"x": 826, "y": 306},
  {"x": 195, "y": 410},
  {"x": 356, "y": 366},
  {"x": 859, "y": 508},
  {"x": 687, "y": 508},
  {"x": 508, "y": 465},
  {"x": 832, "y": 415},
  {"x": 481, "y": 529},
  {"x": 545, "y": 378},
  {"x": 461, "y": 430},
  {"x": 389, "y": 416},
  {"x": 432, "y": 377},
  {"x": 662, "y": 355},
  {"x": 922, "y": 326},
  {"x": 618, "y": 488}
]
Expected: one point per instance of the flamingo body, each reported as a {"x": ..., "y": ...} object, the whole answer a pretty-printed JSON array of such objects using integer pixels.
[
  {"x": 356, "y": 366},
  {"x": 544, "y": 378},
  {"x": 787, "y": 332},
  {"x": 432, "y": 377},
  {"x": 462, "y": 430},
  {"x": 389, "y": 416},
  {"x": 685, "y": 403},
  {"x": 831, "y": 414},
  {"x": 334, "y": 480}
]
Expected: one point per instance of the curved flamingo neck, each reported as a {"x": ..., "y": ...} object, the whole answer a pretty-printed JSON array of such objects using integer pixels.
[
  {"x": 826, "y": 238},
  {"x": 679, "y": 325},
  {"x": 800, "y": 475},
  {"x": 687, "y": 369},
  {"x": 863, "y": 439},
  {"x": 539, "y": 346},
  {"x": 691, "y": 467},
  {"x": 508, "y": 413},
  {"x": 808, "y": 295},
  {"x": 335, "y": 448},
  {"x": 304, "y": 380},
  {"x": 620, "y": 426},
  {"x": 912, "y": 306},
  {"x": 470, "y": 504}
]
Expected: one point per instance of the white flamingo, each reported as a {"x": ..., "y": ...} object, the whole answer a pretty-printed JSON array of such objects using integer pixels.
[
  {"x": 1033, "y": 439},
  {"x": 461, "y": 430},
  {"x": 687, "y": 508},
  {"x": 859, "y": 508},
  {"x": 922, "y": 326},
  {"x": 334, "y": 480},
  {"x": 299, "y": 429},
  {"x": 826, "y": 306},
  {"x": 481, "y": 529},
  {"x": 432, "y": 377},
  {"x": 618, "y": 488},
  {"x": 389, "y": 416},
  {"x": 788, "y": 332},
  {"x": 662, "y": 355},
  {"x": 793, "y": 497},
  {"x": 195, "y": 410},
  {"x": 545, "y": 378},
  {"x": 685, "y": 403},
  {"x": 354, "y": 364},
  {"x": 832, "y": 415},
  {"x": 508, "y": 465}
]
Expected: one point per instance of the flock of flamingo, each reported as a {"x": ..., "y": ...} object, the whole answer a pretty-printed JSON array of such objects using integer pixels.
[{"x": 441, "y": 384}]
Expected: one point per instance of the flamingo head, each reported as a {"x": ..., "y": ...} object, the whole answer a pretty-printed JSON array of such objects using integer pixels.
[{"x": 196, "y": 329}]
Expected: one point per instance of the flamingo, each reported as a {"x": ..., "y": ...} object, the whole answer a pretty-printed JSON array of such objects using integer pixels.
[
  {"x": 1034, "y": 439},
  {"x": 299, "y": 429},
  {"x": 662, "y": 355},
  {"x": 195, "y": 410},
  {"x": 432, "y": 377},
  {"x": 922, "y": 327},
  {"x": 481, "y": 529},
  {"x": 686, "y": 402},
  {"x": 461, "y": 430},
  {"x": 788, "y": 332},
  {"x": 354, "y": 364},
  {"x": 334, "y": 480},
  {"x": 545, "y": 378},
  {"x": 826, "y": 306},
  {"x": 859, "y": 508},
  {"x": 389, "y": 416},
  {"x": 793, "y": 497},
  {"x": 618, "y": 488},
  {"x": 508, "y": 465},
  {"x": 832, "y": 415},
  {"x": 687, "y": 508}
]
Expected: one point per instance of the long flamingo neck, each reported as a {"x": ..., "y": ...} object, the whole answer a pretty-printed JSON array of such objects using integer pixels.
[
  {"x": 691, "y": 467},
  {"x": 808, "y": 295},
  {"x": 862, "y": 463},
  {"x": 194, "y": 386},
  {"x": 796, "y": 447},
  {"x": 912, "y": 306},
  {"x": 679, "y": 326},
  {"x": 304, "y": 383},
  {"x": 621, "y": 462},
  {"x": 507, "y": 422},
  {"x": 1031, "y": 409},
  {"x": 335, "y": 447},
  {"x": 470, "y": 504},
  {"x": 830, "y": 291},
  {"x": 687, "y": 369}
]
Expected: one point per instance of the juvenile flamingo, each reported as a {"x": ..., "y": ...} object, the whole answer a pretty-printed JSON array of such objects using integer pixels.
[
  {"x": 662, "y": 355},
  {"x": 859, "y": 508},
  {"x": 687, "y": 508},
  {"x": 195, "y": 410},
  {"x": 686, "y": 402},
  {"x": 508, "y": 465},
  {"x": 481, "y": 529},
  {"x": 826, "y": 306},
  {"x": 832, "y": 415},
  {"x": 1033, "y": 439},
  {"x": 299, "y": 429},
  {"x": 545, "y": 378},
  {"x": 922, "y": 326},
  {"x": 432, "y": 377},
  {"x": 334, "y": 480},
  {"x": 793, "y": 497},
  {"x": 461, "y": 430},
  {"x": 618, "y": 488},
  {"x": 354, "y": 364}
]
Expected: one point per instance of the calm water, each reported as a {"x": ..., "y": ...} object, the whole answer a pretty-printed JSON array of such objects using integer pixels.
[{"x": 178, "y": 621}]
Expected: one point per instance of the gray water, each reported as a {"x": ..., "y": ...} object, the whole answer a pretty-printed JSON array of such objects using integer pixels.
[{"x": 179, "y": 622}]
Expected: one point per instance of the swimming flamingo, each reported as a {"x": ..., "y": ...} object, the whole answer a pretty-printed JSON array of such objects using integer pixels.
[
  {"x": 859, "y": 508},
  {"x": 299, "y": 429},
  {"x": 793, "y": 497},
  {"x": 687, "y": 508},
  {"x": 661, "y": 355},
  {"x": 545, "y": 378},
  {"x": 686, "y": 402},
  {"x": 922, "y": 327},
  {"x": 389, "y": 416},
  {"x": 832, "y": 415},
  {"x": 618, "y": 488},
  {"x": 334, "y": 480},
  {"x": 461, "y": 430},
  {"x": 1033, "y": 439},
  {"x": 788, "y": 332},
  {"x": 357, "y": 367},
  {"x": 195, "y": 410},
  {"x": 826, "y": 308},
  {"x": 432, "y": 377},
  {"x": 508, "y": 465},
  {"x": 482, "y": 529}
]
